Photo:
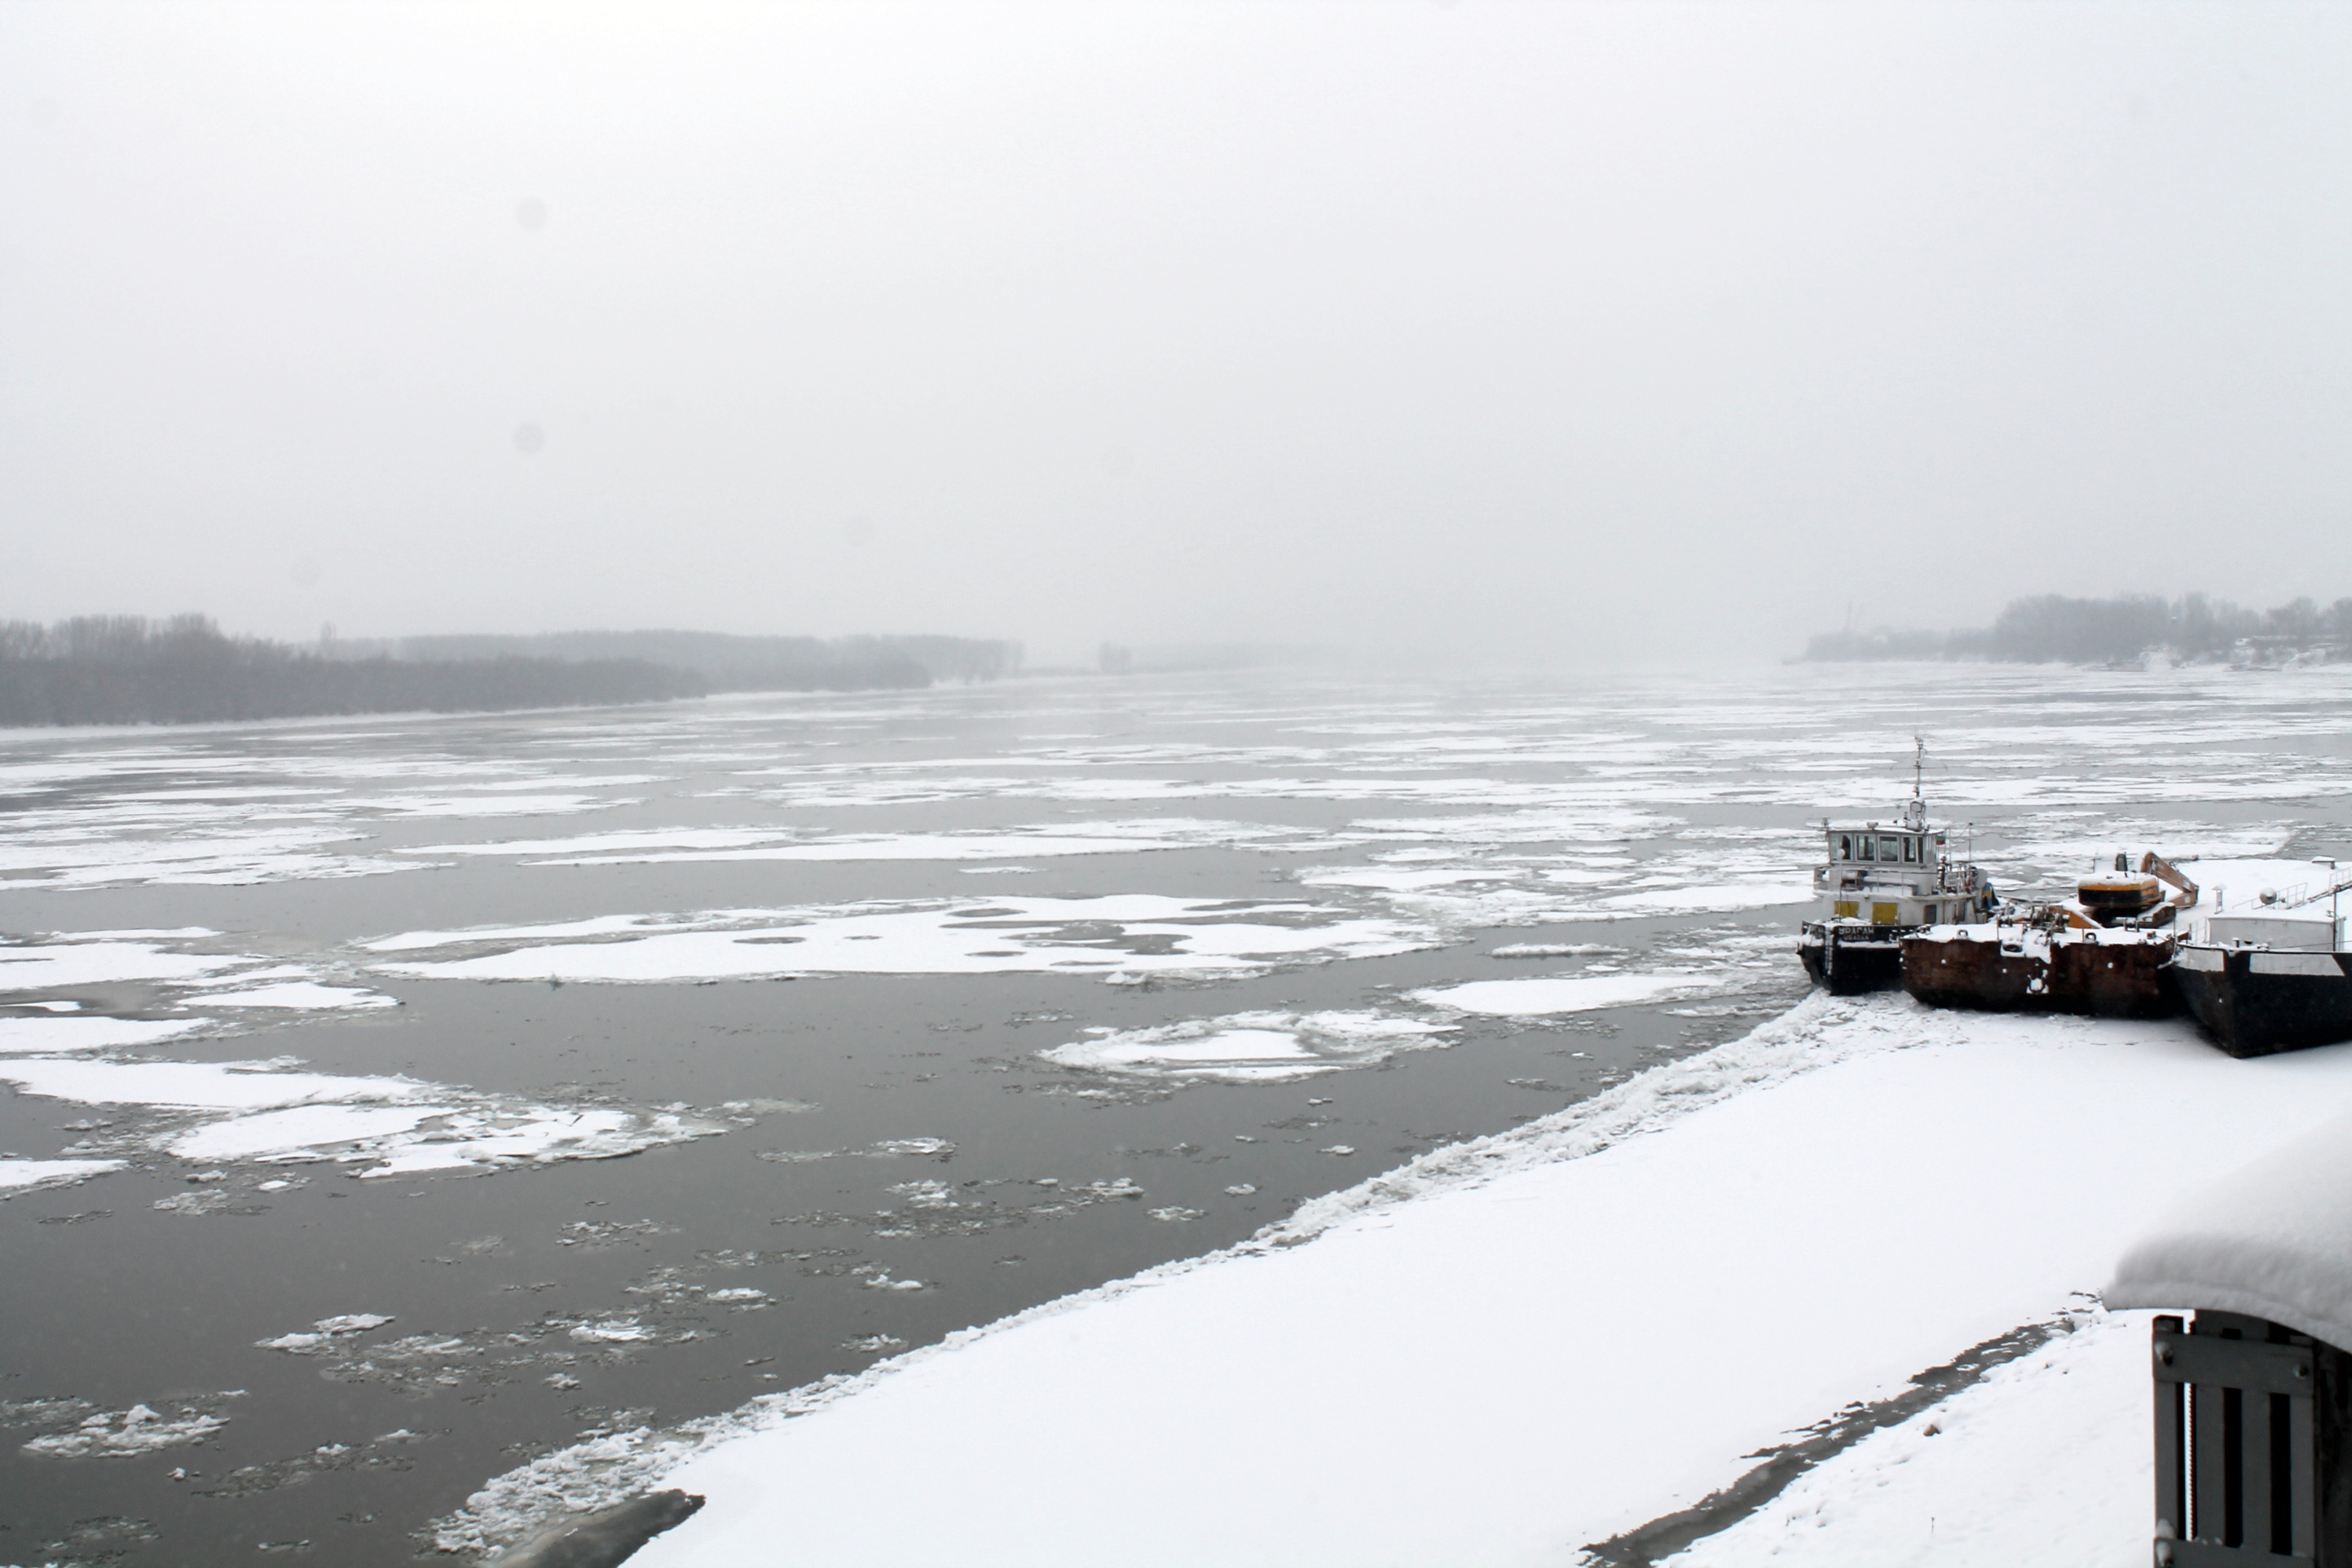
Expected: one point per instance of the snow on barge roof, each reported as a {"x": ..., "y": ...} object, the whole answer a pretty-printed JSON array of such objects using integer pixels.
[{"x": 2272, "y": 1239}]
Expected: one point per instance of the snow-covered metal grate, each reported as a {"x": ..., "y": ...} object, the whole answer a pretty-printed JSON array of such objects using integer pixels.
[{"x": 2250, "y": 1451}]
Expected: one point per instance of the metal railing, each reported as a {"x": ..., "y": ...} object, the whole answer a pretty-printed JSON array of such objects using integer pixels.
[{"x": 2249, "y": 1445}]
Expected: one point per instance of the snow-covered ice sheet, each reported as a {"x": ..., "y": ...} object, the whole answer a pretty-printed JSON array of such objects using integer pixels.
[
  {"x": 1251, "y": 1047},
  {"x": 1127, "y": 934},
  {"x": 266, "y": 1111},
  {"x": 195, "y": 1086},
  {"x": 102, "y": 959},
  {"x": 403, "y": 1140},
  {"x": 1603, "y": 1314},
  {"x": 185, "y": 964},
  {"x": 299, "y": 995},
  {"x": 1107, "y": 838},
  {"x": 68, "y": 1033},
  {"x": 1540, "y": 995},
  {"x": 377, "y": 1126},
  {"x": 27, "y": 1175}
]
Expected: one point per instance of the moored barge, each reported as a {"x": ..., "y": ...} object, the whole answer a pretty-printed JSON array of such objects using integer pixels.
[
  {"x": 2272, "y": 979},
  {"x": 2103, "y": 951}
]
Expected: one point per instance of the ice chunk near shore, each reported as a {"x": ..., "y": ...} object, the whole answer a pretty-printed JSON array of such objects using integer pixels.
[
  {"x": 1251, "y": 1047},
  {"x": 1538, "y": 996},
  {"x": 602, "y": 1538}
]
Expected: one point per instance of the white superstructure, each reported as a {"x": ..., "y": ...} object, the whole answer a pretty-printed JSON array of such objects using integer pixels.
[{"x": 1895, "y": 873}]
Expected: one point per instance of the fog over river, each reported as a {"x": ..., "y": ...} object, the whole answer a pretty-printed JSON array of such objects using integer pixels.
[{"x": 396, "y": 1101}]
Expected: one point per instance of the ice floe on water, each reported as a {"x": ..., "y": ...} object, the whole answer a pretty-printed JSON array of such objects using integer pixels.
[
  {"x": 51, "y": 1035},
  {"x": 309, "y": 821},
  {"x": 1251, "y": 1047},
  {"x": 1572, "y": 992},
  {"x": 321, "y": 1335},
  {"x": 121, "y": 1433},
  {"x": 38, "y": 1175},
  {"x": 375, "y": 1126},
  {"x": 262, "y": 1112},
  {"x": 197, "y": 858},
  {"x": 188, "y": 967},
  {"x": 299, "y": 995},
  {"x": 639, "y": 848},
  {"x": 1550, "y": 948},
  {"x": 1115, "y": 936},
  {"x": 101, "y": 958}
]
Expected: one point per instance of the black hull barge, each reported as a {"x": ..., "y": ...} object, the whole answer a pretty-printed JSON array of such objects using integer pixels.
[
  {"x": 1846, "y": 958},
  {"x": 2267, "y": 982}
]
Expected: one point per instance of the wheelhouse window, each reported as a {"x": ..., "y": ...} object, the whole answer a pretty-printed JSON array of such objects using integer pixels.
[
  {"x": 1910, "y": 851},
  {"x": 1866, "y": 843},
  {"x": 1846, "y": 847}
]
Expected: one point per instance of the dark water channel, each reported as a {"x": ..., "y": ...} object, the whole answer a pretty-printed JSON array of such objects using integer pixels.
[{"x": 127, "y": 1304}]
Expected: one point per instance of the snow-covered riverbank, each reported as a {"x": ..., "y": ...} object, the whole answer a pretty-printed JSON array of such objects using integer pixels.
[{"x": 1521, "y": 1346}]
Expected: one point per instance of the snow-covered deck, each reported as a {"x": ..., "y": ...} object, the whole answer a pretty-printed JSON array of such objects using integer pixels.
[{"x": 1517, "y": 1347}]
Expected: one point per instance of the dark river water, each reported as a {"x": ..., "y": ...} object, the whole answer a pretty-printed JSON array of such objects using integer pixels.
[{"x": 859, "y": 1161}]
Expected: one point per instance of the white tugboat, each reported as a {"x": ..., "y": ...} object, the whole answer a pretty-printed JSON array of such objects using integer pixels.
[{"x": 1883, "y": 880}]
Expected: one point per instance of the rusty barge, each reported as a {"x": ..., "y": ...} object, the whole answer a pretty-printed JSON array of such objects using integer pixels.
[{"x": 2105, "y": 952}]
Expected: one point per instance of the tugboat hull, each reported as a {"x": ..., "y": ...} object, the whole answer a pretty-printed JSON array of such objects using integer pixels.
[
  {"x": 2071, "y": 971},
  {"x": 1848, "y": 960},
  {"x": 2254, "y": 1002}
]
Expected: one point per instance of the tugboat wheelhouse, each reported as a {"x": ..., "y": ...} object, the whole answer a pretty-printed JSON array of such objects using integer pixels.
[{"x": 1883, "y": 880}]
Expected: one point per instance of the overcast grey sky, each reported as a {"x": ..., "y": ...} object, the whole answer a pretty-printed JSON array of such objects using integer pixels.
[{"x": 1560, "y": 329}]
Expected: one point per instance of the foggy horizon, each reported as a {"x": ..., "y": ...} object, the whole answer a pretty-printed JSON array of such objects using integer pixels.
[{"x": 1551, "y": 334}]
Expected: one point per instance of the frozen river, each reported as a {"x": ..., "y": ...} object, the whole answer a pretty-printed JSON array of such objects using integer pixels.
[{"x": 397, "y": 1101}]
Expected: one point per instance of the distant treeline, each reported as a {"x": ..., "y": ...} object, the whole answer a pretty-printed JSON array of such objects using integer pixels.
[
  {"x": 127, "y": 670},
  {"x": 751, "y": 663},
  {"x": 2052, "y": 629}
]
